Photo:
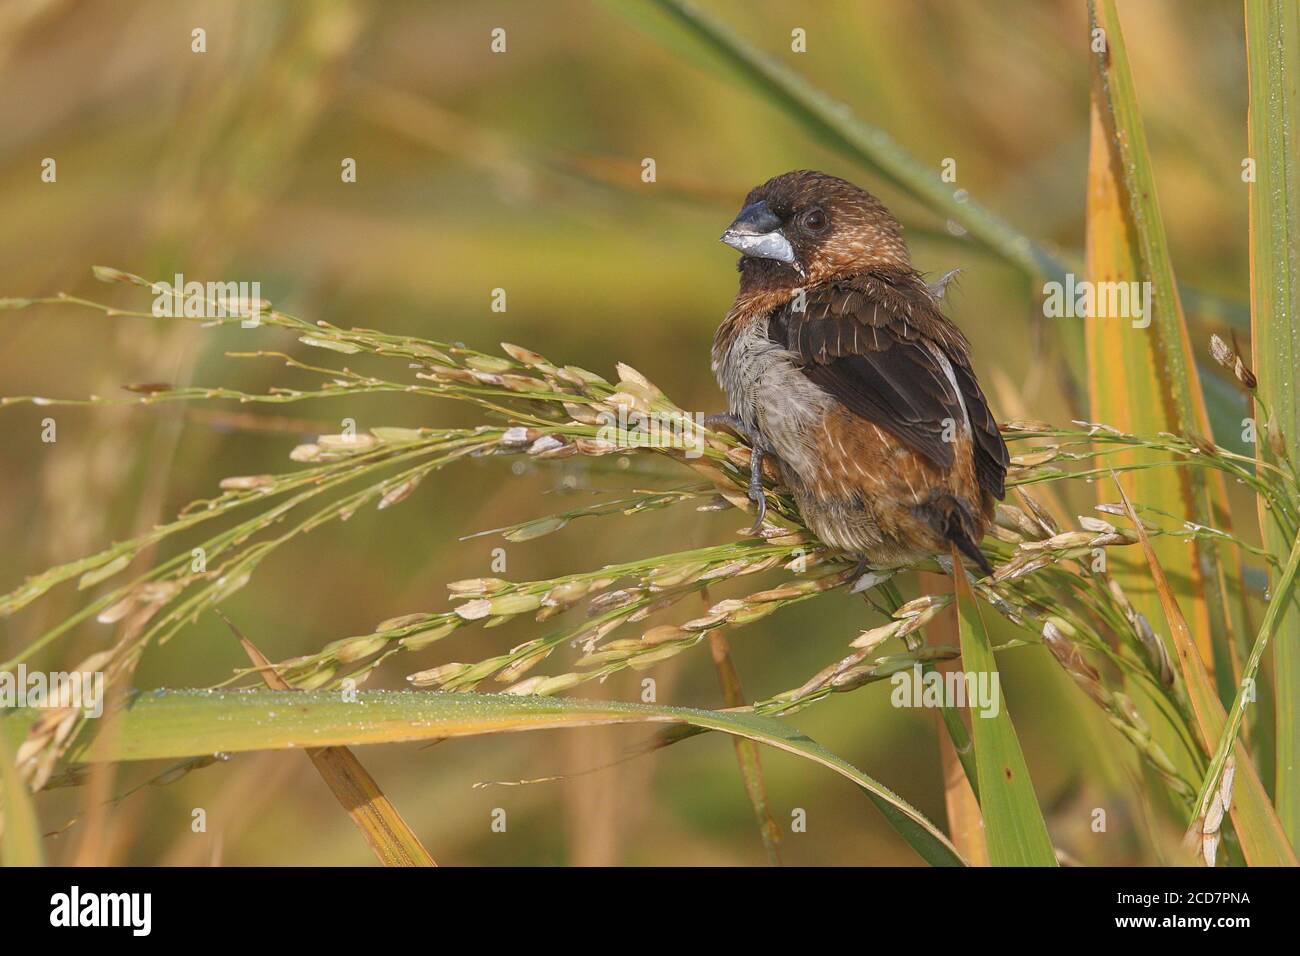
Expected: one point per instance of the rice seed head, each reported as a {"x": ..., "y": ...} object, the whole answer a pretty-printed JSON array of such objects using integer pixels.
[
  {"x": 1020, "y": 566},
  {"x": 38, "y": 755},
  {"x": 317, "y": 678},
  {"x": 566, "y": 592},
  {"x": 1228, "y": 356},
  {"x": 516, "y": 603},
  {"x": 576, "y": 375},
  {"x": 109, "y": 274},
  {"x": 1014, "y": 519},
  {"x": 361, "y": 441},
  {"x": 591, "y": 636},
  {"x": 586, "y": 414},
  {"x": 527, "y": 687},
  {"x": 522, "y": 383},
  {"x": 422, "y": 639},
  {"x": 476, "y": 587},
  {"x": 648, "y": 659},
  {"x": 595, "y": 447},
  {"x": 783, "y": 593},
  {"x": 561, "y": 682},
  {"x": 1060, "y": 542},
  {"x": 750, "y": 614},
  {"x": 246, "y": 482},
  {"x": 1221, "y": 352},
  {"x": 518, "y": 436},
  {"x": 115, "y": 612},
  {"x": 403, "y": 620},
  {"x": 922, "y": 604},
  {"x": 1157, "y": 653},
  {"x": 398, "y": 436},
  {"x": 399, "y": 492},
  {"x": 488, "y": 363},
  {"x": 1070, "y": 658},
  {"x": 716, "y": 615},
  {"x": 612, "y": 600},
  {"x": 871, "y": 639},
  {"x": 627, "y": 375},
  {"x": 675, "y": 576},
  {"x": 356, "y": 648},
  {"x": 535, "y": 652},
  {"x": 437, "y": 676},
  {"x": 1097, "y": 525},
  {"x": 475, "y": 610},
  {"x": 1031, "y": 459},
  {"x": 663, "y": 634},
  {"x": 535, "y": 529},
  {"x": 525, "y": 356}
]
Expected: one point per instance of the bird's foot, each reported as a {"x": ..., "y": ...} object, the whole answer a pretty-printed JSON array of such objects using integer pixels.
[
  {"x": 733, "y": 424},
  {"x": 756, "y": 489}
]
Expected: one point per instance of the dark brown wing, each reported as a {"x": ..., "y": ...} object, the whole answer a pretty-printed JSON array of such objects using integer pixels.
[{"x": 878, "y": 343}]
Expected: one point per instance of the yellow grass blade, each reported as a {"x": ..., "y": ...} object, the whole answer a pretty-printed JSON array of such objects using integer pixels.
[
  {"x": 956, "y": 751},
  {"x": 1141, "y": 374},
  {"x": 965, "y": 825},
  {"x": 388, "y": 834},
  {"x": 751, "y": 766}
]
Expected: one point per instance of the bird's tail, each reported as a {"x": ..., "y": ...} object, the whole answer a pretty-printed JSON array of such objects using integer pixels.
[{"x": 952, "y": 520}]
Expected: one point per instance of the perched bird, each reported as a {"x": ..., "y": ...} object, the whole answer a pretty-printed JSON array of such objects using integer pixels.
[{"x": 839, "y": 364}]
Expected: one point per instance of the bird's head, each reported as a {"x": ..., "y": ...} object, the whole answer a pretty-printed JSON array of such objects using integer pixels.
[{"x": 805, "y": 227}]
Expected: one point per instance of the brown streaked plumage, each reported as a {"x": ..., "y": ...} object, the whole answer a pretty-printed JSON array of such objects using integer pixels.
[{"x": 838, "y": 363}]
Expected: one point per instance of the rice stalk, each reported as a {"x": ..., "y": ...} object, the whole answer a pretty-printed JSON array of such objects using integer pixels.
[{"x": 1045, "y": 583}]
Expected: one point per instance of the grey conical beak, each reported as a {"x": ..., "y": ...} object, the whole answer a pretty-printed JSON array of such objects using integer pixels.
[{"x": 757, "y": 232}]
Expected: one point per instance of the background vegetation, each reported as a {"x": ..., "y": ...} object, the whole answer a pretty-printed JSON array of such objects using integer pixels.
[{"x": 522, "y": 171}]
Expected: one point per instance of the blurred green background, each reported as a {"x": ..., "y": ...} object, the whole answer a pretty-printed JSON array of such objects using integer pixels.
[{"x": 522, "y": 171}]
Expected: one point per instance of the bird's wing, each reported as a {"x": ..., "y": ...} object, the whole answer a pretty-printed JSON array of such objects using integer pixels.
[{"x": 879, "y": 344}]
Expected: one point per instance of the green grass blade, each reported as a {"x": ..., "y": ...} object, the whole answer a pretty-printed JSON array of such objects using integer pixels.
[
  {"x": 1273, "y": 62},
  {"x": 170, "y": 724},
  {"x": 20, "y": 831},
  {"x": 962, "y": 745},
  {"x": 1282, "y": 595},
  {"x": 1013, "y": 822}
]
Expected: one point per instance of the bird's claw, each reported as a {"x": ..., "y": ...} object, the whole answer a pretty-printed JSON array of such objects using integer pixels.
[{"x": 728, "y": 422}]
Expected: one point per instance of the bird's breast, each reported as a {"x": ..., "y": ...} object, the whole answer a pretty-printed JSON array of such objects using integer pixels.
[{"x": 767, "y": 391}]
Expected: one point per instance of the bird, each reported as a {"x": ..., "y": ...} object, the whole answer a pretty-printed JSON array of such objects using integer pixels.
[{"x": 839, "y": 365}]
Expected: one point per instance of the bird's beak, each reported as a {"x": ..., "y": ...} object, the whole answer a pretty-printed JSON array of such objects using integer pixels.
[{"x": 757, "y": 232}]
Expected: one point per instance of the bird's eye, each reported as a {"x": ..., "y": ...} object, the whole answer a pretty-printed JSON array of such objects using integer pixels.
[{"x": 814, "y": 220}]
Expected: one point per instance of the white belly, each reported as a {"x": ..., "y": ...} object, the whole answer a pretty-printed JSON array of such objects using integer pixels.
[{"x": 768, "y": 393}]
